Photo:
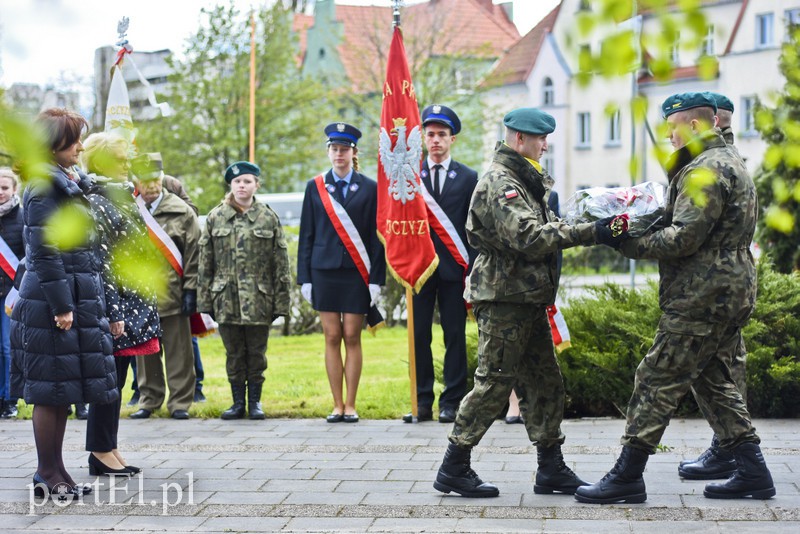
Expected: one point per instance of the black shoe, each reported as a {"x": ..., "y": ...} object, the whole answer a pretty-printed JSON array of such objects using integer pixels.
[
  {"x": 423, "y": 414},
  {"x": 751, "y": 479},
  {"x": 236, "y": 411},
  {"x": 81, "y": 411},
  {"x": 9, "y": 410},
  {"x": 134, "y": 399},
  {"x": 254, "y": 410},
  {"x": 623, "y": 484},
  {"x": 447, "y": 415},
  {"x": 553, "y": 475},
  {"x": 141, "y": 413},
  {"x": 335, "y": 418},
  {"x": 180, "y": 414},
  {"x": 133, "y": 469},
  {"x": 198, "y": 396},
  {"x": 350, "y": 418},
  {"x": 514, "y": 420},
  {"x": 715, "y": 462},
  {"x": 98, "y": 468},
  {"x": 456, "y": 475},
  {"x": 63, "y": 491},
  {"x": 82, "y": 489}
]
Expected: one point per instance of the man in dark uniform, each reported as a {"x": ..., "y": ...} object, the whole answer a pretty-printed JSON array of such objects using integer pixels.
[
  {"x": 716, "y": 462},
  {"x": 450, "y": 185},
  {"x": 707, "y": 291}
]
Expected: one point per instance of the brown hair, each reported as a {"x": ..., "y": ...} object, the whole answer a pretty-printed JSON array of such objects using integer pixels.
[
  {"x": 62, "y": 127},
  {"x": 355, "y": 160},
  {"x": 703, "y": 114}
]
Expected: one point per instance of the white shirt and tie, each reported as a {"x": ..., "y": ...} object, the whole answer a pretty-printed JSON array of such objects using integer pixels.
[{"x": 438, "y": 175}]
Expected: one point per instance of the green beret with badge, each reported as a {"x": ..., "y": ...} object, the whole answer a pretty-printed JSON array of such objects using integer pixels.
[
  {"x": 530, "y": 121},
  {"x": 239, "y": 168},
  {"x": 683, "y": 101},
  {"x": 723, "y": 102}
]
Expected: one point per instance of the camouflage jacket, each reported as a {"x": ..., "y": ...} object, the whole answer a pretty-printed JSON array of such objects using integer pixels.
[
  {"x": 180, "y": 223},
  {"x": 516, "y": 236},
  {"x": 244, "y": 266},
  {"x": 707, "y": 273}
]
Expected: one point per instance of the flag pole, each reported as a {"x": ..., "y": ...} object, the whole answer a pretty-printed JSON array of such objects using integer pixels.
[
  {"x": 412, "y": 353},
  {"x": 252, "y": 86}
]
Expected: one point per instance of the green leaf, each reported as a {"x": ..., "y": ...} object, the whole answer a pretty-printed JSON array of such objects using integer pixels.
[{"x": 779, "y": 219}]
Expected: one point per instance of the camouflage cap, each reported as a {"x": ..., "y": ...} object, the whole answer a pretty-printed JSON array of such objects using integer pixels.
[
  {"x": 239, "y": 168},
  {"x": 683, "y": 101},
  {"x": 147, "y": 166},
  {"x": 530, "y": 121},
  {"x": 723, "y": 102}
]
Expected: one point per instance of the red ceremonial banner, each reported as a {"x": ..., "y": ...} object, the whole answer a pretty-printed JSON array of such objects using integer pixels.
[{"x": 402, "y": 213}]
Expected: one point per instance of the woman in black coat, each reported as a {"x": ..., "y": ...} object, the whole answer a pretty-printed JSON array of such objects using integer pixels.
[
  {"x": 61, "y": 345},
  {"x": 11, "y": 234},
  {"x": 135, "y": 324}
]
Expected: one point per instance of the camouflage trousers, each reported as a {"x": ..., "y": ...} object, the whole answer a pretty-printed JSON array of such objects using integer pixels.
[
  {"x": 245, "y": 349},
  {"x": 688, "y": 356},
  {"x": 515, "y": 350}
]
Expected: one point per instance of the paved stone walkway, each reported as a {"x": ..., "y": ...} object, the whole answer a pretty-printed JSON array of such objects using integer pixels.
[{"x": 376, "y": 476}]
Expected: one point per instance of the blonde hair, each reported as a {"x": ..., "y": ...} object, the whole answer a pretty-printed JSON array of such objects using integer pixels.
[
  {"x": 6, "y": 172},
  {"x": 355, "y": 159},
  {"x": 98, "y": 146}
]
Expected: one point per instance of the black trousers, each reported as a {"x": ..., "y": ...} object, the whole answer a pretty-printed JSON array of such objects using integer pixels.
[
  {"x": 453, "y": 315},
  {"x": 102, "y": 424}
]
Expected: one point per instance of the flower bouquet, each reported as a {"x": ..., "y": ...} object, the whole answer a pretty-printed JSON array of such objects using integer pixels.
[{"x": 636, "y": 209}]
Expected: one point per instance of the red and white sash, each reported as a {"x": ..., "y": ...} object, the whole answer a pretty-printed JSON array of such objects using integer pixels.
[
  {"x": 9, "y": 263},
  {"x": 558, "y": 326},
  {"x": 345, "y": 229},
  {"x": 444, "y": 228},
  {"x": 159, "y": 237}
]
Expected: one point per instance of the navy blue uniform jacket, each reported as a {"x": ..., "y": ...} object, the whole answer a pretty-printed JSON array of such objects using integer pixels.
[
  {"x": 320, "y": 246},
  {"x": 454, "y": 201}
]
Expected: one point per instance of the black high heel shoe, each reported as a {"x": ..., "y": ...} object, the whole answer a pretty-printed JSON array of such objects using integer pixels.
[
  {"x": 133, "y": 469},
  {"x": 62, "y": 490},
  {"x": 97, "y": 468}
]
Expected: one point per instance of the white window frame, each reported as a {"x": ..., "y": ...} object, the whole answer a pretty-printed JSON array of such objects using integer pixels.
[
  {"x": 790, "y": 17},
  {"x": 548, "y": 92},
  {"x": 748, "y": 116},
  {"x": 675, "y": 52},
  {"x": 584, "y": 129},
  {"x": 614, "y": 129},
  {"x": 548, "y": 159},
  {"x": 708, "y": 46},
  {"x": 765, "y": 30}
]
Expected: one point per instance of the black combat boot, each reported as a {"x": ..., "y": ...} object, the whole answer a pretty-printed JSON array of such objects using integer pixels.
[
  {"x": 254, "y": 401},
  {"x": 456, "y": 475},
  {"x": 751, "y": 478},
  {"x": 553, "y": 474},
  {"x": 238, "y": 391},
  {"x": 715, "y": 462},
  {"x": 624, "y": 483}
]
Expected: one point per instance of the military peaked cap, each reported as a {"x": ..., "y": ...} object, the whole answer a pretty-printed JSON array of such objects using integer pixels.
[
  {"x": 342, "y": 134},
  {"x": 441, "y": 115},
  {"x": 147, "y": 166},
  {"x": 530, "y": 121},
  {"x": 239, "y": 168},
  {"x": 684, "y": 101}
]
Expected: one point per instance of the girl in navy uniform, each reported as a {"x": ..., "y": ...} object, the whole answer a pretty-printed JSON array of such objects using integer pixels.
[{"x": 331, "y": 272}]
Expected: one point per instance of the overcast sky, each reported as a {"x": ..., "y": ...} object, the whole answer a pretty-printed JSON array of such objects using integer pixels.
[{"x": 41, "y": 40}]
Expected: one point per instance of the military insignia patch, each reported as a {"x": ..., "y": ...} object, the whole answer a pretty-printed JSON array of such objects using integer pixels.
[
  {"x": 331, "y": 188},
  {"x": 451, "y": 174},
  {"x": 353, "y": 187},
  {"x": 437, "y": 109},
  {"x": 235, "y": 170},
  {"x": 340, "y": 127},
  {"x": 511, "y": 193}
]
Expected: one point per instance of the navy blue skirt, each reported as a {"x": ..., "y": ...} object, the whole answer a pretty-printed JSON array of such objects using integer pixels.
[{"x": 339, "y": 290}]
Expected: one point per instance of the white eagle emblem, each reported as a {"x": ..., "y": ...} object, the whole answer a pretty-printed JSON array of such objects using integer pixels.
[{"x": 401, "y": 164}]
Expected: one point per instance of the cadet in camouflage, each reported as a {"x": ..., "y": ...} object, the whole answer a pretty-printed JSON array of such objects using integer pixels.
[
  {"x": 707, "y": 292},
  {"x": 244, "y": 283},
  {"x": 511, "y": 284}
]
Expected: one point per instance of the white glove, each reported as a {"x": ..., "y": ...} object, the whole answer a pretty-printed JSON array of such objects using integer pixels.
[
  {"x": 305, "y": 290},
  {"x": 374, "y": 291}
]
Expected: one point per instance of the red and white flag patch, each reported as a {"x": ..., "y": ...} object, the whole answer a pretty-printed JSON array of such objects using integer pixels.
[{"x": 511, "y": 193}]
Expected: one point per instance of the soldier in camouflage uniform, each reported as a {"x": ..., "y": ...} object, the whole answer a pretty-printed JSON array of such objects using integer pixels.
[
  {"x": 707, "y": 292},
  {"x": 716, "y": 462},
  {"x": 511, "y": 285},
  {"x": 244, "y": 283}
]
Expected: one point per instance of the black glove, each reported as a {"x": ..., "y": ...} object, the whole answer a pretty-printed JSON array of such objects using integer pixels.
[
  {"x": 604, "y": 235},
  {"x": 189, "y": 302}
]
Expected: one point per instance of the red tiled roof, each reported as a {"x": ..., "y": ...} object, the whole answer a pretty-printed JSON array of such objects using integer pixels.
[
  {"x": 679, "y": 73},
  {"x": 300, "y": 24},
  {"x": 440, "y": 27},
  {"x": 517, "y": 63}
]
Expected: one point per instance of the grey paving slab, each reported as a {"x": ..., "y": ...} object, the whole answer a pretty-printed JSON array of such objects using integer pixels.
[
  {"x": 329, "y": 524},
  {"x": 247, "y": 524},
  {"x": 414, "y": 525},
  {"x": 160, "y": 523}
]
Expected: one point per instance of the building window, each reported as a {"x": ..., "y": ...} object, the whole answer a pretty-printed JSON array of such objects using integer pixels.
[
  {"x": 764, "y": 30},
  {"x": 707, "y": 46},
  {"x": 465, "y": 80},
  {"x": 674, "y": 54},
  {"x": 548, "y": 92},
  {"x": 748, "y": 115},
  {"x": 792, "y": 22},
  {"x": 613, "y": 133},
  {"x": 585, "y": 5},
  {"x": 548, "y": 162},
  {"x": 584, "y": 130}
]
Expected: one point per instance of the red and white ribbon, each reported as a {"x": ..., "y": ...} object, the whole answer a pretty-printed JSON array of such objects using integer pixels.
[
  {"x": 159, "y": 237},
  {"x": 558, "y": 326},
  {"x": 444, "y": 228}
]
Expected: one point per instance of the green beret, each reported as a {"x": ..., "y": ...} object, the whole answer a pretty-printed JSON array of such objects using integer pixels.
[
  {"x": 684, "y": 101},
  {"x": 723, "y": 102},
  {"x": 530, "y": 121},
  {"x": 239, "y": 168}
]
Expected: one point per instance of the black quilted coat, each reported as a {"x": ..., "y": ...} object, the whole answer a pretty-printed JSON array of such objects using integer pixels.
[{"x": 51, "y": 366}]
